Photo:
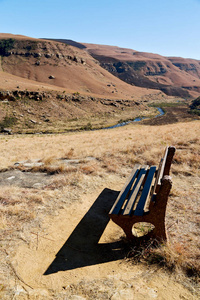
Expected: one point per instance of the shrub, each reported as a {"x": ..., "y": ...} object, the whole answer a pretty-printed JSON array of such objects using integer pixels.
[
  {"x": 195, "y": 112},
  {"x": 6, "y": 45},
  {"x": 76, "y": 94},
  {"x": 8, "y": 121}
]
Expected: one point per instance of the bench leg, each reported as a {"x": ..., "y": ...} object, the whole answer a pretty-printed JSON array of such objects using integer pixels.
[
  {"x": 159, "y": 209},
  {"x": 125, "y": 225},
  {"x": 128, "y": 231},
  {"x": 159, "y": 232}
]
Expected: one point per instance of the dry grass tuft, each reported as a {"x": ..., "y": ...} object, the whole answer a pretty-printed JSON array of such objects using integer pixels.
[
  {"x": 51, "y": 169},
  {"x": 173, "y": 257},
  {"x": 69, "y": 154},
  {"x": 92, "y": 168},
  {"x": 168, "y": 256}
]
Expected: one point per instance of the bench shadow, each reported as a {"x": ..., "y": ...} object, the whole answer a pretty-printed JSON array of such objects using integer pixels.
[{"x": 81, "y": 248}]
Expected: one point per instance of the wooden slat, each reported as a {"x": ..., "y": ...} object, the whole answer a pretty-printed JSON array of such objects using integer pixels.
[
  {"x": 145, "y": 193},
  {"x": 162, "y": 166},
  {"x": 135, "y": 190},
  {"x": 124, "y": 192},
  {"x": 170, "y": 155},
  {"x": 156, "y": 187}
]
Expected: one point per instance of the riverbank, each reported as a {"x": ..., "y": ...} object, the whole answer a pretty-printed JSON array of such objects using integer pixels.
[
  {"x": 138, "y": 119},
  {"x": 173, "y": 114}
]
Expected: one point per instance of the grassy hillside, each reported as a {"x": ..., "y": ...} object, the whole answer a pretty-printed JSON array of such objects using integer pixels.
[{"x": 25, "y": 111}]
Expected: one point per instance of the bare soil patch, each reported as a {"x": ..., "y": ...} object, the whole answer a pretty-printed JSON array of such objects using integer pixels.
[{"x": 23, "y": 179}]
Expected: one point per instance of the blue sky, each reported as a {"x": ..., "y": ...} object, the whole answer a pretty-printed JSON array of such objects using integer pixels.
[{"x": 167, "y": 27}]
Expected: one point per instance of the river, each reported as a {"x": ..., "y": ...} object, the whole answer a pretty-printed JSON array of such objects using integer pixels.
[{"x": 161, "y": 112}]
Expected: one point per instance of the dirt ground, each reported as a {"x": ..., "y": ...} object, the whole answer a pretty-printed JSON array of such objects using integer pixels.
[{"x": 78, "y": 253}]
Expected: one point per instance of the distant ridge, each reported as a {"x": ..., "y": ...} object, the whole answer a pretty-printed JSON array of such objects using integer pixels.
[
  {"x": 174, "y": 76},
  {"x": 68, "y": 42},
  {"x": 98, "y": 69}
]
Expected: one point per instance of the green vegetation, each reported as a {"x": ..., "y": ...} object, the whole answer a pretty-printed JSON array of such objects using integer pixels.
[
  {"x": 6, "y": 45},
  {"x": 136, "y": 65},
  {"x": 76, "y": 94},
  {"x": 88, "y": 126},
  {"x": 195, "y": 112},
  {"x": 166, "y": 104},
  {"x": 8, "y": 121},
  {"x": 32, "y": 45},
  {"x": 195, "y": 107}
]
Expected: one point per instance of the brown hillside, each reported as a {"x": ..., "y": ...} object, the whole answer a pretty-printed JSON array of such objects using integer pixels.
[
  {"x": 57, "y": 64},
  {"x": 150, "y": 70}
]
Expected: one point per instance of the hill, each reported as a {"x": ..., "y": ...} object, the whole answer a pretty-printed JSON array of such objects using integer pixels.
[
  {"x": 58, "y": 64},
  {"x": 173, "y": 75},
  {"x": 50, "y": 86}
]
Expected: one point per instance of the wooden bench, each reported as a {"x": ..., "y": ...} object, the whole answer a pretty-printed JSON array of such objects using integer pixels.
[{"x": 144, "y": 197}]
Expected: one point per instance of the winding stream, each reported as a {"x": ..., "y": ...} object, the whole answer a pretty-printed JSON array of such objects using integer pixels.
[{"x": 161, "y": 112}]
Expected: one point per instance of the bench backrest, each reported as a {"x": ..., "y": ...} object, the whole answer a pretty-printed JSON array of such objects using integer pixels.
[
  {"x": 142, "y": 176},
  {"x": 164, "y": 167}
]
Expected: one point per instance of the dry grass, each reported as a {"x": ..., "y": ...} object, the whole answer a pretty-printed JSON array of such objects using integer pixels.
[
  {"x": 115, "y": 152},
  {"x": 133, "y": 143}
]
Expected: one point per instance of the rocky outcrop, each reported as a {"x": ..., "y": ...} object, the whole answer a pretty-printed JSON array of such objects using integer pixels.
[
  {"x": 5, "y": 130},
  {"x": 28, "y": 48},
  {"x": 135, "y": 73},
  {"x": 17, "y": 94},
  {"x": 7, "y": 96},
  {"x": 76, "y": 97}
]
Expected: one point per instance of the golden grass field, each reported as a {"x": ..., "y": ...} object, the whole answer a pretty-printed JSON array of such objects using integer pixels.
[{"x": 114, "y": 152}]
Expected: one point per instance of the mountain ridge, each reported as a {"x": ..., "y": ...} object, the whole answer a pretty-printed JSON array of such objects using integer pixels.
[{"x": 172, "y": 75}]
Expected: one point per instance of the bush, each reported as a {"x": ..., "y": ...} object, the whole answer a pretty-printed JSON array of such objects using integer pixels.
[
  {"x": 6, "y": 45},
  {"x": 88, "y": 126},
  {"x": 8, "y": 121},
  {"x": 136, "y": 65},
  {"x": 195, "y": 112}
]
